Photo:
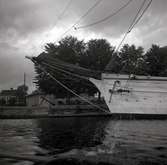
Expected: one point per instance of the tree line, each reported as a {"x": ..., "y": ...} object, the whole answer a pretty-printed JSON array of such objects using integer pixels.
[{"x": 100, "y": 55}]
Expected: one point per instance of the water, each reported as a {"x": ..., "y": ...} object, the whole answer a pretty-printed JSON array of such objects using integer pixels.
[{"x": 89, "y": 140}]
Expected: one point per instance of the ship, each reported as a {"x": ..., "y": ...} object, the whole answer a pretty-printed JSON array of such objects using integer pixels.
[{"x": 125, "y": 95}]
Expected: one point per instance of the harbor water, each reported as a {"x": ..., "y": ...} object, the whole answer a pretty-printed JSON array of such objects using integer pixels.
[{"x": 89, "y": 140}]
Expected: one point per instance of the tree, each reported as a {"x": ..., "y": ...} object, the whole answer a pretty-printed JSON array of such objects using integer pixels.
[
  {"x": 132, "y": 59},
  {"x": 156, "y": 60},
  {"x": 22, "y": 90},
  {"x": 21, "y": 94},
  {"x": 95, "y": 55},
  {"x": 115, "y": 64},
  {"x": 98, "y": 53},
  {"x": 51, "y": 48},
  {"x": 129, "y": 60},
  {"x": 70, "y": 50}
]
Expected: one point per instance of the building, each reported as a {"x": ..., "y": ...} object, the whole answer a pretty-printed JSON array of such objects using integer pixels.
[
  {"x": 12, "y": 97},
  {"x": 38, "y": 99},
  {"x": 8, "y": 97}
]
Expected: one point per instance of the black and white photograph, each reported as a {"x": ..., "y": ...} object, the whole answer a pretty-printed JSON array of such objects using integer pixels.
[{"x": 83, "y": 82}]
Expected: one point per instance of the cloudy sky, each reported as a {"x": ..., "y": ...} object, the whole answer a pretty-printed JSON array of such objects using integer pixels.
[{"x": 26, "y": 25}]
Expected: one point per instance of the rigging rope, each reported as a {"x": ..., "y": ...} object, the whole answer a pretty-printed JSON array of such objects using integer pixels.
[
  {"x": 82, "y": 98},
  {"x": 84, "y": 15},
  {"x": 60, "y": 16},
  {"x": 141, "y": 14},
  {"x": 67, "y": 72},
  {"x": 58, "y": 63},
  {"x": 105, "y": 18},
  {"x": 64, "y": 10},
  {"x": 134, "y": 22},
  {"x": 70, "y": 68},
  {"x": 71, "y": 91}
]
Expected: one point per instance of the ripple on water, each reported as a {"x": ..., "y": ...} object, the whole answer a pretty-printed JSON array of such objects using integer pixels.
[{"x": 88, "y": 140}]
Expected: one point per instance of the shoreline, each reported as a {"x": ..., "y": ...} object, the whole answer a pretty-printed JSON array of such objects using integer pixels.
[{"x": 67, "y": 111}]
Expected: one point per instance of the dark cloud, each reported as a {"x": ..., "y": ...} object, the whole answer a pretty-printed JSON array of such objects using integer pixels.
[
  {"x": 24, "y": 17},
  {"x": 30, "y": 16},
  {"x": 23, "y": 21},
  {"x": 119, "y": 23}
]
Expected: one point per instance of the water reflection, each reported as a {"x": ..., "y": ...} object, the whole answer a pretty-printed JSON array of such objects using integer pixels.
[
  {"x": 109, "y": 141},
  {"x": 69, "y": 133},
  {"x": 18, "y": 137},
  {"x": 127, "y": 142},
  {"x": 138, "y": 142}
]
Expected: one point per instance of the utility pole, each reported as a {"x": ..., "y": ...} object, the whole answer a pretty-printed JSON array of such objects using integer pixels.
[
  {"x": 24, "y": 88},
  {"x": 24, "y": 79}
]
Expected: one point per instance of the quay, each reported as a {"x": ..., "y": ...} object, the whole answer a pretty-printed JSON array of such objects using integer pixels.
[{"x": 66, "y": 111}]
